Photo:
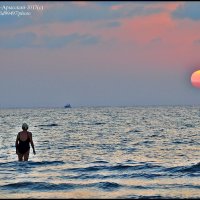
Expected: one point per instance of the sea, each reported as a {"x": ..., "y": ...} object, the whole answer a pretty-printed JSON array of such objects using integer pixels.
[{"x": 139, "y": 152}]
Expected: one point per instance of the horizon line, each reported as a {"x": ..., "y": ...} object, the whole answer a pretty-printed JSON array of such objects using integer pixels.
[{"x": 93, "y": 106}]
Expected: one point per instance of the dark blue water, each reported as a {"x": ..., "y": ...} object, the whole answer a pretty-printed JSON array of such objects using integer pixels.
[{"x": 103, "y": 152}]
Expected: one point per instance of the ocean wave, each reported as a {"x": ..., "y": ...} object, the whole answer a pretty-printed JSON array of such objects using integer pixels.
[
  {"x": 17, "y": 164},
  {"x": 86, "y": 169},
  {"x": 39, "y": 163},
  {"x": 147, "y": 175},
  {"x": 142, "y": 197},
  {"x": 190, "y": 170},
  {"x": 133, "y": 131},
  {"x": 118, "y": 167},
  {"x": 122, "y": 175},
  {"x": 38, "y": 186},
  {"x": 107, "y": 185},
  {"x": 48, "y": 125},
  {"x": 87, "y": 123},
  {"x": 100, "y": 162},
  {"x": 99, "y": 123},
  {"x": 90, "y": 176},
  {"x": 44, "y": 186},
  {"x": 189, "y": 125}
]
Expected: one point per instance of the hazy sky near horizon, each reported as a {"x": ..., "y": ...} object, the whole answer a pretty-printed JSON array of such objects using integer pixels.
[{"x": 100, "y": 54}]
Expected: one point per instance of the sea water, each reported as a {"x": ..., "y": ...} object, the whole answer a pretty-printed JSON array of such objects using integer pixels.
[{"x": 103, "y": 152}]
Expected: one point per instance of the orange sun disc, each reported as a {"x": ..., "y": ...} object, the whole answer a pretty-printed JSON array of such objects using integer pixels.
[{"x": 195, "y": 79}]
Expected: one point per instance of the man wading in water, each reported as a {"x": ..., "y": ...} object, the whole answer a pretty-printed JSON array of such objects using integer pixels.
[{"x": 22, "y": 144}]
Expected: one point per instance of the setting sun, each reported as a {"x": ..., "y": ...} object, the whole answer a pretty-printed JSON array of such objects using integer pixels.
[{"x": 195, "y": 79}]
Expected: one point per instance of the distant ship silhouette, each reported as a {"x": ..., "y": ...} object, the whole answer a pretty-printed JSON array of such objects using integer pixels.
[{"x": 67, "y": 106}]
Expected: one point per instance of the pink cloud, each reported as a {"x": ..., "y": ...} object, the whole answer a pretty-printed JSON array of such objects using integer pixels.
[
  {"x": 158, "y": 37},
  {"x": 81, "y": 3},
  {"x": 116, "y": 7}
]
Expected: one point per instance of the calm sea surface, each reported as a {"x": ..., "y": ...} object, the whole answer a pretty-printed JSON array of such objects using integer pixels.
[{"x": 103, "y": 152}]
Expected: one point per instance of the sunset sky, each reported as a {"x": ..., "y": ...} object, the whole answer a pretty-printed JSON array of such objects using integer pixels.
[{"x": 100, "y": 54}]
